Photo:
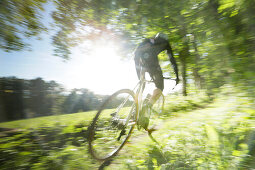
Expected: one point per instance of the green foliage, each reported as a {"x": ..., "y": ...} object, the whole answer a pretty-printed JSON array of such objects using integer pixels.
[
  {"x": 213, "y": 40},
  {"x": 19, "y": 19}
]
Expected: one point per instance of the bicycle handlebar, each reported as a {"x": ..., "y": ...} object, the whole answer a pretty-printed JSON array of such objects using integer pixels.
[{"x": 169, "y": 78}]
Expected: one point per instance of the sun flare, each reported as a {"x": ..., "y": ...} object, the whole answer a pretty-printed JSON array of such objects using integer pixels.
[{"x": 102, "y": 70}]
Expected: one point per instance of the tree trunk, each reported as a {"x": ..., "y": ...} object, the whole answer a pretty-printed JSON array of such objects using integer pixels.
[
  {"x": 184, "y": 54},
  {"x": 183, "y": 73},
  {"x": 198, "y": 79}
]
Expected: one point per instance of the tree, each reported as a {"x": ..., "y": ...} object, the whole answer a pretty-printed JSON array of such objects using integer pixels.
[
  {"x": 55, "y": 97},
  {"x": 11, "y": 99},
  {"x": 213, "y": 40},
  {"x": 38, "y": 101},
  {"x": 19, "y": 19},
  {"x": 134, "y": 19}
]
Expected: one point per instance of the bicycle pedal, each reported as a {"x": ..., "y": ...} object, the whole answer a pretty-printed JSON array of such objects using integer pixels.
[
  {"x": 151, "y": 130},
  {"x": 113, "y": 114},
  {"x": 123, "y": 132}
]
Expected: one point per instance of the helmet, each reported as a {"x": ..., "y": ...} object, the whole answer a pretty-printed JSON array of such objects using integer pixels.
[{"x": 161, "y": 35}]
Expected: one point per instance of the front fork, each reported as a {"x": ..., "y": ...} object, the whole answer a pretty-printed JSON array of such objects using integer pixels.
[{"x": 131, "y": 116}]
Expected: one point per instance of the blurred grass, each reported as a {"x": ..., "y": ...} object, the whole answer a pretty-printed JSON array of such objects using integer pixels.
[
  {"x": 220, "y": 136},
  {"x": 195, "y": 133},
  {"x": 49, "y": 121}
]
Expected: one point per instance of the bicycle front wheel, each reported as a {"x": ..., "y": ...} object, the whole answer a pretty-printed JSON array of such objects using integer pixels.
[{"x": 113, "y": 125}]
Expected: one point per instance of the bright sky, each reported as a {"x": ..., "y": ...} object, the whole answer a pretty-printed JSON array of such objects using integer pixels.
[{"x": 102, "y": 72}]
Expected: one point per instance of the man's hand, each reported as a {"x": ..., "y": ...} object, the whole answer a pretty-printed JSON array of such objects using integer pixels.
[{"x": 177, "y": 80}]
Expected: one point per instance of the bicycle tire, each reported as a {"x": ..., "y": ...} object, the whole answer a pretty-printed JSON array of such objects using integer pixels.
[{"x": 104, "y": 136}]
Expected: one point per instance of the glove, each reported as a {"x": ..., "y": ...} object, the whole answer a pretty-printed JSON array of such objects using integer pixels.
[{"x": 177, "y": 80}]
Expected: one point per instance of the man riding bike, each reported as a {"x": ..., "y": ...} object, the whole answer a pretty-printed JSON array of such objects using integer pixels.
[{"x": 146, "y": 56}]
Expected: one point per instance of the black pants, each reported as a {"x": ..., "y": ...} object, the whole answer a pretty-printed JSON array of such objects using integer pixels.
[{"x": 157, "y": 76}]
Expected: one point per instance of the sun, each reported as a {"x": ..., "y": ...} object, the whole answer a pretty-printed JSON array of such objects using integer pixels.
[{"x": 102, "y": 70}]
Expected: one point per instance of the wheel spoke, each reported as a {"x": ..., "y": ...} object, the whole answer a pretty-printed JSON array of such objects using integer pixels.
[{"x": 113, "y": 124}]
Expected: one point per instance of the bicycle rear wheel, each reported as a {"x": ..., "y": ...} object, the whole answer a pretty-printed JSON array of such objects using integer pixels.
[{"x": 112, "y": 125}]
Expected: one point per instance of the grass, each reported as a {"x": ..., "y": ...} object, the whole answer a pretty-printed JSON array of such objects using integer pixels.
[
  {"x": 50, "y": 121},
  {"x": 219, "y": 136},
  {"x": 50, "y": 142}
]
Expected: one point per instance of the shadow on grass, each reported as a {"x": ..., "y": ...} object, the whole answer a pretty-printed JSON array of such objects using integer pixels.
[{"x": 25, "y": 149}]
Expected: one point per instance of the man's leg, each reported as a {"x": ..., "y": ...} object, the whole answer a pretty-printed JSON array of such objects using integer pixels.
[
  {"x": 155, "y": 96},
  {"x": 158, "y": 79}
]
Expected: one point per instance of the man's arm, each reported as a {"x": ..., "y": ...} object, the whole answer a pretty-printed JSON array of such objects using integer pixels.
[
  {"x": 138, "y": 53},
  {"x": 173, "y": 62}
]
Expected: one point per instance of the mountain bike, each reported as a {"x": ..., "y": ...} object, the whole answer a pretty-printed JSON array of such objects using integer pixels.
[{"x": 116, "y": 119}]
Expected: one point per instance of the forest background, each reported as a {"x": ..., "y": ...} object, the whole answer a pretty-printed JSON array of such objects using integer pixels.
[{"x": 213, "y": 42}]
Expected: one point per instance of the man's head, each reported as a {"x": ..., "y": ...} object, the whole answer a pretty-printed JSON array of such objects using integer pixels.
[{"x": 161, "y": 36}]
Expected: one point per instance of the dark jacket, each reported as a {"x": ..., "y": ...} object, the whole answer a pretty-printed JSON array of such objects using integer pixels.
[{"x": 146, "y": 54}]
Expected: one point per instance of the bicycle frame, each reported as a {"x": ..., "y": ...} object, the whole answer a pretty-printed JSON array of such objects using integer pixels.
[
  {"x": 139, "y": 89},
  {"x": 131, "y": 117}
]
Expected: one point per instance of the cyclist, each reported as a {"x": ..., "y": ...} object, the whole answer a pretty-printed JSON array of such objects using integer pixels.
[{"x": 146, "y": 56}]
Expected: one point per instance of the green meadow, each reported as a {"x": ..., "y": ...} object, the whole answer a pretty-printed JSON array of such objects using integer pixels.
[{"x": 192, "y": 133}]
